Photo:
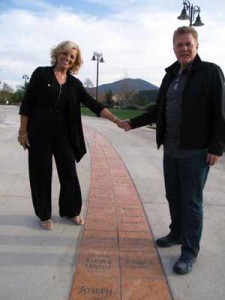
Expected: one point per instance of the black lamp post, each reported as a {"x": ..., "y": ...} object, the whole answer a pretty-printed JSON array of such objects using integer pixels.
[
  {"x": 25, "y": 77},
  {"x": 188, "y": 13},
  {"x": 99, "y": 58}
]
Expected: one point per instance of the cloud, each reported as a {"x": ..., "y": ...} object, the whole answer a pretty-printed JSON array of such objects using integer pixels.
[{"x": 135, "y": 42}]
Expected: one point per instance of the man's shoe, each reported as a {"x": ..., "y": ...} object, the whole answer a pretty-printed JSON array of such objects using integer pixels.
[
  {"x": 168, "y": 241},
  {"x": 184, "y": 265}
]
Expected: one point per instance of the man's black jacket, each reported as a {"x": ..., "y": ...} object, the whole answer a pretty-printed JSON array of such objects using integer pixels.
[{"x": 203, "y": 108}]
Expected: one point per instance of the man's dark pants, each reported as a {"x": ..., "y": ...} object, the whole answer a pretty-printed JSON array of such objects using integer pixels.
[{"x": 184, "y": 182}]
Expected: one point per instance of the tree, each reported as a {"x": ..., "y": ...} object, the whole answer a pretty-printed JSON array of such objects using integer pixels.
[
  {"x": 145, "y": 98},
  {"x": 7, "y": 88},
  {"x": 126, "y": 92},
  {"x": 9, "y": 96},
  {"x": 19, "y": 93},
  {"x": 88, "y": 83},
  {"x": 109, "y": 98},
  {"x": 6, "y": 94}
]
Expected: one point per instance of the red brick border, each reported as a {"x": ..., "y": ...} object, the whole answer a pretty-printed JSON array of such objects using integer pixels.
[{"x": 117, "y": 256}]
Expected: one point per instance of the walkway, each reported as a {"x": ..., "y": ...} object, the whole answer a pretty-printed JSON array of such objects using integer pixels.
[
  {"x": 113, "y": 255},
  {"x": 117, "y": 256}
]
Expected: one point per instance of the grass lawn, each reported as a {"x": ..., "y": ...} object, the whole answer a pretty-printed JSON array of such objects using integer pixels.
[{"x": 120, "y": 113}]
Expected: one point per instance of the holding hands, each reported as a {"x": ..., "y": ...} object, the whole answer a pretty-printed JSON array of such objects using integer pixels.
[{"x": 124, "y": 124}]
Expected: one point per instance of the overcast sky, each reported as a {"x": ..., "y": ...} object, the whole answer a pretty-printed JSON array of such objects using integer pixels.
[{"x": 135, "y": 37}]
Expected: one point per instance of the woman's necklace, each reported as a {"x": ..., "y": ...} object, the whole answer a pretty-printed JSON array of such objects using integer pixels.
[{"x": 59, "y": 75}]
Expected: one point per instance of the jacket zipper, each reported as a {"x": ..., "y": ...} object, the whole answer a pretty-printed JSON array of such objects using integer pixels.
[{"x": 58, "y": 98}]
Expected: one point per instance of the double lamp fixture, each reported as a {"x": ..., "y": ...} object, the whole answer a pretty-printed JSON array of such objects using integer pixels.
[{"x": 188, "y": 12}]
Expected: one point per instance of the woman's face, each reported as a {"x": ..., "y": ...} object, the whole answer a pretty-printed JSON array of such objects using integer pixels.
[{"x": 66, "y": 59}]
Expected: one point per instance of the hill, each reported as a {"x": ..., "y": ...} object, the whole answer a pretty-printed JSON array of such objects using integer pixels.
[{"x": 127, "y": 84}]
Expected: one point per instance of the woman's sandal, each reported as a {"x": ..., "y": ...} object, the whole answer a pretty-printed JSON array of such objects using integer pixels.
[
  {"x": 47, "y": 225},
  {"x": 77, "y": 220}
]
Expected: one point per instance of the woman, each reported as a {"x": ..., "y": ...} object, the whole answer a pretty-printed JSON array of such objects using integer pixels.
[{"x": 50, "y": 125}]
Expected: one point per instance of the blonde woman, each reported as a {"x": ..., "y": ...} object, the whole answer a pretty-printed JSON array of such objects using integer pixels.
[{"x": 51, "y": 126}]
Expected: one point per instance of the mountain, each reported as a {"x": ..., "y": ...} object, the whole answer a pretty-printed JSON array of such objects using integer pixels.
[{"x": 127, "y": 84}]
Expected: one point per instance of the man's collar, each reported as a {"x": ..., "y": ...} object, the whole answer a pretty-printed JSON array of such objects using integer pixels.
[{"x": 176, "y": 66}]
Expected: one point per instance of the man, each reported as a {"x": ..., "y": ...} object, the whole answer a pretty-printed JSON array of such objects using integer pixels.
[{"x": 190, "y": 119}]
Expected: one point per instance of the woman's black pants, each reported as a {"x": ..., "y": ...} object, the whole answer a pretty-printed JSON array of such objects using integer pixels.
[{"x": 50, "y": 138}]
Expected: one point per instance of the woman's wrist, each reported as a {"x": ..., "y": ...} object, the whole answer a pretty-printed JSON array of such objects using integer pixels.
[
  {"x": 22, "y": 135},
  {"x": 115, "y": 119},
  {"x": 22, "y": 130}
]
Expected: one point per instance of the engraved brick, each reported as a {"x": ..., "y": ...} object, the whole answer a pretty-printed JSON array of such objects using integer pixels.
[
  {"x": 140, "y": 265},
  {"x": 96, "y": 262},
  {"x": 132, "y": 224},
  {"x": 100, "y": 208},
  {"x": 89, "y": 288},
  {"x": 101, "y": 223},
  {"x": 141, "y": 289},
  {"x": 136, "y": 241},
  {"x": 99, "y": 239},
  {"x": 126, "y": 210}
]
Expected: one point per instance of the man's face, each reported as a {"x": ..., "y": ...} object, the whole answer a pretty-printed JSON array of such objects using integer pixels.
[{"x": 185, "y": 48}]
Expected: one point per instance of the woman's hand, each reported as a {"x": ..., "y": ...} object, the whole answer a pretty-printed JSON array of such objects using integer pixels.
[
  {"x": 23, "y": 134},
  {"x": 124, "y": 124},
  {"x": 23, "y": 140}
]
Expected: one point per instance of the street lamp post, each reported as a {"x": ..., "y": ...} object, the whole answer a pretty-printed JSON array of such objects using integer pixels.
[
  {"x": 25, "y": 77},
  {"x": 188, "y": 13},
  {"x": 99, "y": 58}
]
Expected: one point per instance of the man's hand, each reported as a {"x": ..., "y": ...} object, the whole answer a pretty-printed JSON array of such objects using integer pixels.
[{"x": 212, "y": 159}]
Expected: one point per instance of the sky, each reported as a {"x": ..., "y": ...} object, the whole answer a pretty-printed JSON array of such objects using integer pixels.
[{"x": 134, "y": 37}]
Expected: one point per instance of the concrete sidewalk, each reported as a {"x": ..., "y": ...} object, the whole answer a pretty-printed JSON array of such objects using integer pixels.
[
  {"x": 144, "y": 163},
  {"x": 35, "y": 264}
]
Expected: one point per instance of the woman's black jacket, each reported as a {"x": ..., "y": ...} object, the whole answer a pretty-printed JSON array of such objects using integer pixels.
[
  {"x": 203, "y": 108},
  {"x": 39, "y": 88}
]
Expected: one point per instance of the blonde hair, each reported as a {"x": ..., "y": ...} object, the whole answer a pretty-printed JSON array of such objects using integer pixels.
[
  {"x": 184, "y": 30},
  {"x": 66, "y": 46}
]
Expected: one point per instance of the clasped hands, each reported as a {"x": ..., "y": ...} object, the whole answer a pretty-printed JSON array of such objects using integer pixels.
[{"x": 124, "y": 124}]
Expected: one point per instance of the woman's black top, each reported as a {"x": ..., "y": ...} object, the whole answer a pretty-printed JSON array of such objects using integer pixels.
[{"x": 45, "y": 94}]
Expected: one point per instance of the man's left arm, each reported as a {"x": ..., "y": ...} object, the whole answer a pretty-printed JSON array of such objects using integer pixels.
[{"x": 217, "y": 144}]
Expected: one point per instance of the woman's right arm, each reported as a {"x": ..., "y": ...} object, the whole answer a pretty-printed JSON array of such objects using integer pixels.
[
  {"x": 27, "y": 107},
  {"x": 23, "y": 124},
  {"x": 30, "y": 95},
  {"x": 23, "y": 133}
]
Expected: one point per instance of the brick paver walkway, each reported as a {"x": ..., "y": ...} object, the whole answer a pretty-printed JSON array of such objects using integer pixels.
[{"x": 117, "y": 257}]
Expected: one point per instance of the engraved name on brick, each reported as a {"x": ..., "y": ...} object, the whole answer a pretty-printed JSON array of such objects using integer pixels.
[
  {"x": 136, "y": 240},
  {"x": 100, "y": 238},
  {"x": 102, "y": 220},
  {"x": 132, "y": 222},
  {"x": 95, "y": 291},
  {"x": 139, "y": 262},
  {"x": 98, "y": 261}
]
